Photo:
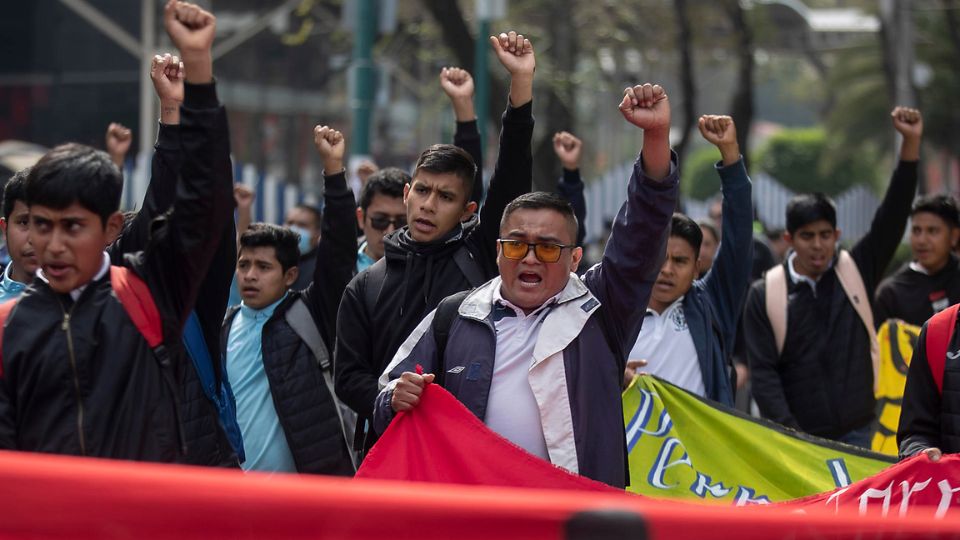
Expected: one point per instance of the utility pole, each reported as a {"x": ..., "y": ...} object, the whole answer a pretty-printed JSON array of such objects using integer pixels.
[
  {"x": 363, "y": 78},
  {"x": 487, "y": 10},
  {"x": 148, "y": 111}
]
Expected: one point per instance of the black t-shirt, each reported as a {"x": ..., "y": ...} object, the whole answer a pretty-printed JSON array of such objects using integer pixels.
[{"x": 914, "y": 296}]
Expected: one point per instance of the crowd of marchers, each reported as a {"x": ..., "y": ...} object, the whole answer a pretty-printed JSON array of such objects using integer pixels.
[{"x": 186, "y": 333}]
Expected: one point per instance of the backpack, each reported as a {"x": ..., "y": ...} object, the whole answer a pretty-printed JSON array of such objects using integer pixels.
[
  {"x": 221, "y": 395},
  {"x": 137, "y": 301},
  {"x": 298, "y": 317},
  {"x": 939, "y": 333}
]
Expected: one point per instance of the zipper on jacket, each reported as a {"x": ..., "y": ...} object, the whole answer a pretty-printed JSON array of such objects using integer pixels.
[{"x": 65, "y": 326}]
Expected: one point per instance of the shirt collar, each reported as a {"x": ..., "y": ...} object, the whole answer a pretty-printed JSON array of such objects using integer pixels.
[
  {"x": 75, "y": 294},
  {"x": 798, "y": 278},
  {"x": 9, "y": 284},
  {"x": 917, "y": 267},
  {"x": 261, "y": 314},
  {"x": 498, "y": 299},
  {"x": 677, "y": 302},
  {"x": 364, "y": 259}
]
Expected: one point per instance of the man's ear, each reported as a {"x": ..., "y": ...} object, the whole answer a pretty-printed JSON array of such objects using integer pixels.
[
  {"x": 954, "y": 233},
  {"x": 406, "y": 192},
  {"x": 577, "y": 253},
  {"x": 3, "y": 226},
  {"x": 468, "y": 210},
  {"x": 788, "y": 238},
  {"x": 360, "y": 218},
  {"x": 113, "y": 227},
  {"x": 290, "y": 276}
]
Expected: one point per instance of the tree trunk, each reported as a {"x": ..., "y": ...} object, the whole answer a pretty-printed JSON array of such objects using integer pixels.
[
  {"x": 742, "y": 107},
  {"x": 458, "y": 37},
  {"x": 950, "y": 8},
  {"x": 558, "y": 94},
  {"x": 685, "y": 46}
]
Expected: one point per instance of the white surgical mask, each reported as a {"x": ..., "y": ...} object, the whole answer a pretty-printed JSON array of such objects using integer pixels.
[{"x": 304, "y": 234}]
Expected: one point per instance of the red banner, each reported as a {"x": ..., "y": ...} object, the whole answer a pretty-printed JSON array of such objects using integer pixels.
[
  {"x": 916, "y": 487},
  {"x": 441, "y": 441}
]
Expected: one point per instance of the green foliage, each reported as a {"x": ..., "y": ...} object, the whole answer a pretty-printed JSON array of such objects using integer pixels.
[
  {"x": 699, "y": 178},
  {"x": 804, "y": 161}
]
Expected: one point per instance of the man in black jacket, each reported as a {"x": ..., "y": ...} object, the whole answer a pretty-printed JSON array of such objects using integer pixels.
[
  {"x": 276, "y": 338},
  {"x": 200, "y": 411},
  {"x": 437, "y": 253},
  {"x": 931, "y": 281},
  {"x": 819, "y": 377},
  {"x": 931, "y": 401},
  {"x": 78, "y": 376}
]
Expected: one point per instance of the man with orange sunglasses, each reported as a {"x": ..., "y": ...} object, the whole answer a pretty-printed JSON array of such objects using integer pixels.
[{"x": 538, "y": 353}]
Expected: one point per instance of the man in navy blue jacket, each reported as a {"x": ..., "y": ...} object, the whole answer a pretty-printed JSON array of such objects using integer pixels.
[
  {"x": 690, "y": 324},
  {"x": 537, "y": 353}
]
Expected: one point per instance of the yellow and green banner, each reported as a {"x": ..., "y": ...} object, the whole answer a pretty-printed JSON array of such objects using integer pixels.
[
  {"x": 682, "y": 446},
  {"x": 897, "y": 340}
]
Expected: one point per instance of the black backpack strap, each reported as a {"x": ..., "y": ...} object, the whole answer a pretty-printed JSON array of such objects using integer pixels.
[
  {"x": 376, "y": 275},
  {"x": 443, "y": 319},
  {"x": 469, "y": 266}
]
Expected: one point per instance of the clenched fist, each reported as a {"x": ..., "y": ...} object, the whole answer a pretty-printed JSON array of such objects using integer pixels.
[
  {"x": 515, "y": 52},
  {"x": 456, "y": 83},
  {"x": 331, "y": 146},
  {"x": 118, "y": 141},
  {"x": 192, "y": 29},
  {"x": 646, "y": 106},
  {"x": 909, "y": 122},
  {"x": 568, "y": 149},
  {"x": 722, "y": 133}
]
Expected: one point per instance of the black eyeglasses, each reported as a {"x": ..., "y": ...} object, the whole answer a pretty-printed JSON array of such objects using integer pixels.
[
  {"x": 545, "y": 253},
  {"x": 381, "y": 223}
]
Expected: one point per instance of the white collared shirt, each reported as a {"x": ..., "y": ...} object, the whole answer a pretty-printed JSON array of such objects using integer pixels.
[
  {"x": 512, "y": 409},
  {"x": 666, "y": 344},
  {"x": 799, "y": 278},
  {"x": 74, "y": 294}
]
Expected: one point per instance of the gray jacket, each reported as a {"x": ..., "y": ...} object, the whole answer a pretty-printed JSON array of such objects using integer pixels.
[{"x": 579, "y": 358}]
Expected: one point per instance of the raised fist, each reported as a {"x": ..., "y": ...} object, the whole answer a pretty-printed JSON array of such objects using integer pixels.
[
  {"x": 190, "y": 27},
  {"x": 456, "y": 83},
  {"x": 365, "y": 170},
  {"x": 718, "y": 130},
  {"x": 118, "y": 141},
  {"x": 331, "y": 146},
  {"x": 646, "y": 106},
  {"x": 244, "y": 196},
  {"x": 166, "y": 72},
  {"x": 721, "y": 132},
  {"x": 909, "y": 122},
  {"x": 568, "y": 149},
  {"x": 515, "y": 53}
]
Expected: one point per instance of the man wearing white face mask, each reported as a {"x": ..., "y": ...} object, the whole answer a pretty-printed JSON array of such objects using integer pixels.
[{"x": 304, "y": 220}]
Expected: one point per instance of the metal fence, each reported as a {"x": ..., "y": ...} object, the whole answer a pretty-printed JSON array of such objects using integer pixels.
[
  {"x": 855, "y": 207},
  {"x": 273, "y": 196}
]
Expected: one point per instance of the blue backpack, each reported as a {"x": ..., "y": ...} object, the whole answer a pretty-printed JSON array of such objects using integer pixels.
[{"x": 222, "y": 396}]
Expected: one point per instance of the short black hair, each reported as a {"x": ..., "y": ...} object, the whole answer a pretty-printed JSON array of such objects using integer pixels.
[
  {"x": 15, "y": 191},
  {"x": 284, "y": 242},
  {"x": 774, "y": 234},
  {"x": 943, "y": 206},
  {"x": 317, "y": 214},
  {"x": 682, "y": 226},
  {"x": 808, "y": 208},
  {"x": 388, "y": 182},
  {"x": 543, "y": 200},
  {"x": 76, "y": 173},
  {"x": 447, "y": 158},
  {"x": 706, "y": 224}
]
